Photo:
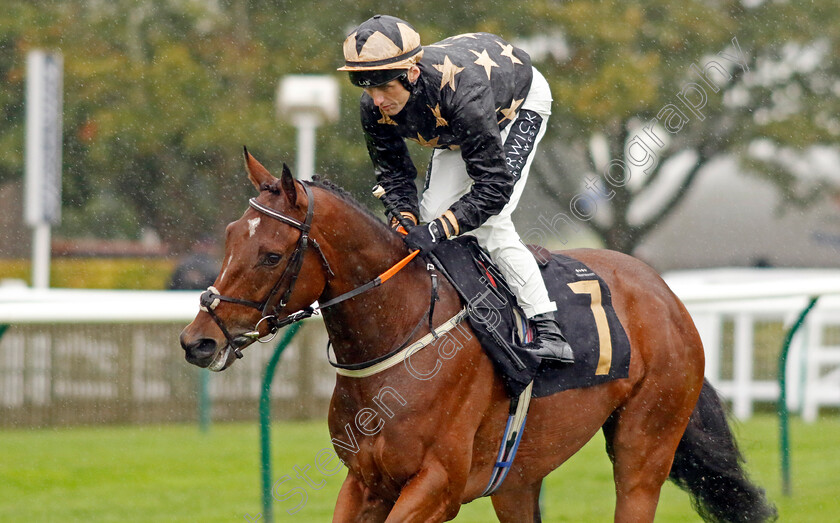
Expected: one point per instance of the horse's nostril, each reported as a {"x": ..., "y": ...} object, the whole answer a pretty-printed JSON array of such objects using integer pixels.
[{"x": 203, "y": 348}]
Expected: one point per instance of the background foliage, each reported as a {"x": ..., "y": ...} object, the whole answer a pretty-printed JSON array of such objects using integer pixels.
[
  {"x": 160, "y": 95},
  {"x": 99, "y": 273}
]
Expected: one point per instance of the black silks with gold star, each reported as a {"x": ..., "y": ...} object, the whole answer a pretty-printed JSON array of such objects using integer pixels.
[{"x": 470, "y": 87}]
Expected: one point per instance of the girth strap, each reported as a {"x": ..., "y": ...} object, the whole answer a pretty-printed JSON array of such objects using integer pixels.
[{"x": 399, "y": 354}]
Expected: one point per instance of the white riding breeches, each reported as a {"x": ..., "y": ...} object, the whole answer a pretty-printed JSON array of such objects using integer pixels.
[{"x": 447, "y": 180}]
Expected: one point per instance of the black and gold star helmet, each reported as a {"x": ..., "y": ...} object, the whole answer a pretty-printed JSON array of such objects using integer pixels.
[{"x": 381, "y": 49}]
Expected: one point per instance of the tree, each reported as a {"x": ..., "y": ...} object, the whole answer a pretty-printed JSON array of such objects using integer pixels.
[
  {"x": 160, "y": 96},
  {"x": 651, "y": 93},
  {"x": 159, "y": 99}
]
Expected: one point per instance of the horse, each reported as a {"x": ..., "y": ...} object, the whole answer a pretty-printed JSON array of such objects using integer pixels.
[{"x": 417, "y": 449}]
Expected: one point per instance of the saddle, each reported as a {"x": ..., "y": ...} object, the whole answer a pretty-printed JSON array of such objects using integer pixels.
[{"x": 584, "y": 312}]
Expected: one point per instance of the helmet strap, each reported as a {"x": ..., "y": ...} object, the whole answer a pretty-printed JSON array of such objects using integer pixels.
[{"x": 403, "y": 78}]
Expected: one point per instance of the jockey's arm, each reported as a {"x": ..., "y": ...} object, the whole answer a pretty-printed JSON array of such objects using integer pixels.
[{"x": 393, "y": 167}]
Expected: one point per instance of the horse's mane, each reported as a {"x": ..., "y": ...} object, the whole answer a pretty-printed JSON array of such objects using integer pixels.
[{"x": 345, "y": 196}]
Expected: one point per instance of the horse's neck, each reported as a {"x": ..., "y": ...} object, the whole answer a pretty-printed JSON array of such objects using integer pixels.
[
  {"x": 374, "y": 322},
  {"x": 361, "y": 249}
]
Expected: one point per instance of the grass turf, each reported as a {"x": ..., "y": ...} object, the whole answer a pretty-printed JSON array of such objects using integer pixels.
[{"x": 175, "y": 473}]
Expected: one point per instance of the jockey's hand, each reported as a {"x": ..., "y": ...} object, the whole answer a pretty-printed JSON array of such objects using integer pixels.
[
  {"x": 404, "y": 214},
  {"x": 425, "y": 237}
]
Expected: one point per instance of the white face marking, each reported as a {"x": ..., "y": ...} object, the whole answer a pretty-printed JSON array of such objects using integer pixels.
[
  {"x": 252, "y": 226},
  {"x": 227, "y": 264}
]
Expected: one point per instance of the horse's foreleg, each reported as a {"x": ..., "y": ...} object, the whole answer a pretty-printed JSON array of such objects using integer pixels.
[
  {"x": 431, "y": 495},
  {"x": 356, "y": 504}
]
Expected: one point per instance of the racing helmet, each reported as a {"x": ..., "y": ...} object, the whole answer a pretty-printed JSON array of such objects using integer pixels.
[{"x": 381, "y": 49}]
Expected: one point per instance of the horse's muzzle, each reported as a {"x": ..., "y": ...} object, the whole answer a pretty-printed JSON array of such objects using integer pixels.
[
  {"x": 207, "y": 353},
  {"x": 199, "y": 351}
]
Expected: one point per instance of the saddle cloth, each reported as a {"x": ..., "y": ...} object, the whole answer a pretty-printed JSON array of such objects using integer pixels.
[{"x": 584, "y": 312}]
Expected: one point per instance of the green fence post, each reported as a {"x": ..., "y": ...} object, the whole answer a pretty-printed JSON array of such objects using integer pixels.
[
  {"x": 781, "y": 406},
  {"x": 204, "y": 405},
  {"x": 265, "y": 421}
]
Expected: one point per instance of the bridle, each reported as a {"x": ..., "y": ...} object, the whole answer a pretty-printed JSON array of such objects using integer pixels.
[{"x": 211, "y": 298}]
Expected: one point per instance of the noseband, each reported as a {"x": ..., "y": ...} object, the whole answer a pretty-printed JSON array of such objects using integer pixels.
[{"x": 211, "y": 298}]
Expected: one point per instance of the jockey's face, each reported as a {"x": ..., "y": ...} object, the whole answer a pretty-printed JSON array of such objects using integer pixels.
[{"x": 392, "y": 97}]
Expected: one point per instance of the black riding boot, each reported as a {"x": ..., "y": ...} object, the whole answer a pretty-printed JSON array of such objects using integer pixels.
[{"x": 550, "y": 343}]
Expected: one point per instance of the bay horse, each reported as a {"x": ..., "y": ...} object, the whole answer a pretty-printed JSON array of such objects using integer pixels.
[{"x": 432, "y": 443}]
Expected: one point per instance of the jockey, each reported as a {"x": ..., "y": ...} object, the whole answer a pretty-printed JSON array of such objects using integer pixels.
[{"x": 480, "y": 104}]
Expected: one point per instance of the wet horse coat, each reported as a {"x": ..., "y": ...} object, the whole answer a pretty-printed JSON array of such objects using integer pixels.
[{"x": 416, "y": 449}]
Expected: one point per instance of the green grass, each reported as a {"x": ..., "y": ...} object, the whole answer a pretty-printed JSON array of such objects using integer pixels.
[{"x": 175, "y": 473}]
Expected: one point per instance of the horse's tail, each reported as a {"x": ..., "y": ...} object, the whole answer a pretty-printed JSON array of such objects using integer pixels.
[{"x": 709, "y": 466}]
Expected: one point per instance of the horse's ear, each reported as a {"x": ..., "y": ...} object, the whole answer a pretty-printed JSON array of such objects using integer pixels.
[
  {"x": 258, "y": 174},
  {"x": 287, "y": 181}
]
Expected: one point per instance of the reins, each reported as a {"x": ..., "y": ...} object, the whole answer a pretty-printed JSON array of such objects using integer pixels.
[
  {"x": 211, "y": 297},
  {"x": 376, "y": 282}
]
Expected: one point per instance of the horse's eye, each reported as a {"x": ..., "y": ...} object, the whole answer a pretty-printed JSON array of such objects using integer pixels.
[{"x": 271, "y": 259}]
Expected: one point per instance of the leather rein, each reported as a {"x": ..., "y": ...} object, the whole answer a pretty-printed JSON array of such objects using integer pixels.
[{"x": 211, "y": 297}]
